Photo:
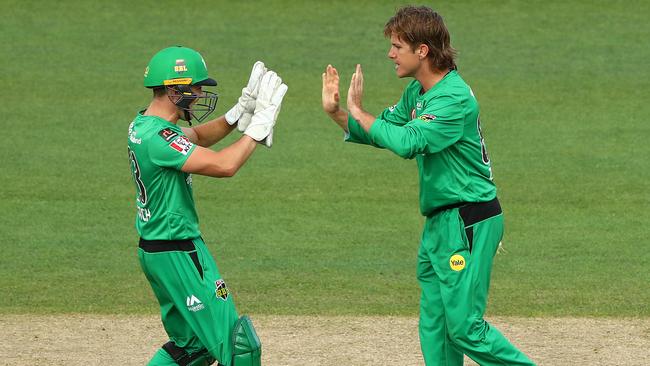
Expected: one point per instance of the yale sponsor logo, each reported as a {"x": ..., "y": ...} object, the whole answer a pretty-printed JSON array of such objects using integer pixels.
[{"x": 457, "y": 262}]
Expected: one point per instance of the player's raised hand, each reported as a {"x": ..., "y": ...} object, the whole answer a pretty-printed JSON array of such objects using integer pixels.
[
  {"x": 331, "y": 94},
  {"x": 355, "y": 93},
  {"x": 242, "y": 112},
  {"x": 268, "y": 104}
]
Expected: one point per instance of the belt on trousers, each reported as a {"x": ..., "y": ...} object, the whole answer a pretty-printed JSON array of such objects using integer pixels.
[
  {"x": 156, "y": 246},
  {"x": 473, "y": 212},
  {"x": 160, "y": 246}
]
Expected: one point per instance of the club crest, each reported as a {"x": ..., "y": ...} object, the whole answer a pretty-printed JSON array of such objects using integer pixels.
[{"x": 222, "y": 290}]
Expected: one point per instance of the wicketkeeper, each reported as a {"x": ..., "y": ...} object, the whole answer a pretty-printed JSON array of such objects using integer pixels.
[{"x": 196, "y": 307}]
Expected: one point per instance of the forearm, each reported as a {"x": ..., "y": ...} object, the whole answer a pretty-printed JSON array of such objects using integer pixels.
[
  {"x": 209, "y": 133},
  {"x": 363, "y": 118},
  {"x": 341, "y": 118},
  {"x": 418, "y": 137},
  {"x": 223, "y": 163},
  {"x": 236, "y": 155}
]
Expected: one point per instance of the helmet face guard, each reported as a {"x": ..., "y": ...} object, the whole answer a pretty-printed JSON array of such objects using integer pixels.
[{"x": 195, "y": 106}]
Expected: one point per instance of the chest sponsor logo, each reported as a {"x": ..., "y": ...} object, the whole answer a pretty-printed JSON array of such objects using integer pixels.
[
  {"x": 194, "y": 304},
  {"x": 182, "y": 144},
  {"x": 427, "y": 117},
  {"x": 457, "y": 262},
  {"x": 221, "y": 290},
  {"x": 167, "y": 134}
]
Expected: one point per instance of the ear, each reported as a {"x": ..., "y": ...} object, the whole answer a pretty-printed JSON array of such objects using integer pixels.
[{"x": 422, "y": 51}]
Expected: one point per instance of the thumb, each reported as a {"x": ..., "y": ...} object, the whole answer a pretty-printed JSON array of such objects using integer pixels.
[{"x": 279, "y": 93}]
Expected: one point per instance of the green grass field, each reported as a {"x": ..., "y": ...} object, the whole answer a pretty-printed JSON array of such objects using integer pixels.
[{"x": 314, "y": 225}]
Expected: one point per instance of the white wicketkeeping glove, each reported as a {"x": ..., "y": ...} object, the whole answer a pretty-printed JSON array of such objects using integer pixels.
[
  {"x": 267, "y": 107},
  {"x": 243, "y": 110}
]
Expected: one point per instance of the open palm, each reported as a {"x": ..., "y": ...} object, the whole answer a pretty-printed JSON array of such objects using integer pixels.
[{"x": 331, "y": 94}]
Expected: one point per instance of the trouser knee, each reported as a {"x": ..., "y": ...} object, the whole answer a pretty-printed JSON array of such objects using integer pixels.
[{"x": 466, "y": 331}]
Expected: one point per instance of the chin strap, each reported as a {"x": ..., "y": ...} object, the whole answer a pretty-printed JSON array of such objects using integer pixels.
[{"x": 188, "y": 117}]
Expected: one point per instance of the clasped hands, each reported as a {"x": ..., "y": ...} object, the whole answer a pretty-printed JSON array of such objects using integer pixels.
[{"x": 258, "y": 106}]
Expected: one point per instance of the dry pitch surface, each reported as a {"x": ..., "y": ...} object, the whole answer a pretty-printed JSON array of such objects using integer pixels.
[{"x": 300, "y": 340}]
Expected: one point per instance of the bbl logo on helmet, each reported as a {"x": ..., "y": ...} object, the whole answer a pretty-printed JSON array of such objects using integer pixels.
[
  {"x": 180, "y": 66},
  {"x": 222, "y": 290}
]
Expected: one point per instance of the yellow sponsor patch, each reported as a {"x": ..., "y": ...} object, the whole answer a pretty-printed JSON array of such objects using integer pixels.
[
  {"x": 179, "y": 81},
  {"x": 457, "y": 262}
]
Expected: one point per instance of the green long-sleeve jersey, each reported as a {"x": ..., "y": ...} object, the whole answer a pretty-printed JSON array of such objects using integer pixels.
[{"x": 441, "y": 129}]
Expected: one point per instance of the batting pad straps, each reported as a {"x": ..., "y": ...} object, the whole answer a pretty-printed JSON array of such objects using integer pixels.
[
  {"x": 246, "y": 346},
  {"x": 182, "y": 358}
]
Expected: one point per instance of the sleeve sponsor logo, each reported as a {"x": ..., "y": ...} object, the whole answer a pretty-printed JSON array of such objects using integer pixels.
[
  {"x": 392, "y": 108},
  {"x": 182, "y": 144},
  {"x": 427, "y": 117},
  {"x": 167, "y": 134}
]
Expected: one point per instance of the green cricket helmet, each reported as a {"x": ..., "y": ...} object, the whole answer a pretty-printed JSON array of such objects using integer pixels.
[{"x": 177, "y": 68}]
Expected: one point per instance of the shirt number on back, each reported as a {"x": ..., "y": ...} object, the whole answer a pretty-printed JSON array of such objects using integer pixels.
[
  {"x": 486, "y": 158},
  {"x": 484, "y": 153},
  {"x": 135, "y": 169}
]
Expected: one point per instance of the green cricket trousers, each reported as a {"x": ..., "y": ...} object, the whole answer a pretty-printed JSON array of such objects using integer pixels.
[
  {"x": 454, "y": 267},
  {"x": 197, "y": 311}
]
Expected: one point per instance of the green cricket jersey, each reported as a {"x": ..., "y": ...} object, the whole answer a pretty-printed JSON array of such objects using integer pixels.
[
  {"x": 441, "y": 129},
  {"x": 165, "y": 206}
]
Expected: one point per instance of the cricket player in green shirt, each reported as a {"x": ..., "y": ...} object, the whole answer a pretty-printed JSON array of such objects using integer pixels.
[
  {"x": 197, "y": 310},
  {"x": 437, "y": 123}
]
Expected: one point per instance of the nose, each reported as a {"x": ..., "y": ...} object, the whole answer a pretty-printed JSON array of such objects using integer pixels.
[{"x": 391, "y": 55}]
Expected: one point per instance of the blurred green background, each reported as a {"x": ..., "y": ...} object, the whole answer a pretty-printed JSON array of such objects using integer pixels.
[{"x": 314, "y": 225}]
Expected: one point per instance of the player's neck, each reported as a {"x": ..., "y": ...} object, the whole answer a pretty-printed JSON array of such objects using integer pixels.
[
  {"x": 163, "y": 109},
  {"x": 428, "y": 78}
]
